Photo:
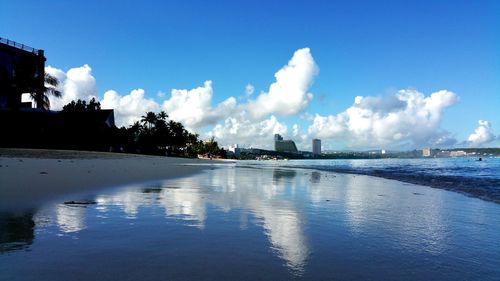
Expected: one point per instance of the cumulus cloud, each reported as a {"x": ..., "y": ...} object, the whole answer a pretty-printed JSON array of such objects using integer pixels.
[
  {"x": 128, "y": 108},
  {"x": 252, "y": 123},
  {"x": 482, "y": 134},
  {"x": 194, "y": 109},
  {"x": 76, "y": 83},
  {"x": 407, "y": 117},
  {"x": 289, "y": 94},
  {"x": 241, "y": 130},
  {"x": 191, "y": 107}
]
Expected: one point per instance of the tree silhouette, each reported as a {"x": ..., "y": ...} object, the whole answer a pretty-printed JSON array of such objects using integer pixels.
[
  {"x": 149, "y": 119},
  {"x": 41, "y": 97},
  {"x": 82, "y": 106},
  {"x": 135, "y": 129},
  {"x": 155, "y": 134},
  {"x": 162, "y": 115}
]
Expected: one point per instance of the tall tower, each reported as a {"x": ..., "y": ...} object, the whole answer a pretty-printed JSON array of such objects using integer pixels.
[{"x": 316, "y": 145}]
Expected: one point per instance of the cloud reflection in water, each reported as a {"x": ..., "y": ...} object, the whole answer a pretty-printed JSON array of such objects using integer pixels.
[{"x": 313, "y": 225}]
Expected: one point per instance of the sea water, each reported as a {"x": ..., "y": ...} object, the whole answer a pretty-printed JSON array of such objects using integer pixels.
[
  {"x": 466, "y": 175},
  {"x": 252, "y": 222}
]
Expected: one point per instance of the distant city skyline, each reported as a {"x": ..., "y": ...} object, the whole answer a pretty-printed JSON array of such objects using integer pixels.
[{"x": 357, "y": 75}]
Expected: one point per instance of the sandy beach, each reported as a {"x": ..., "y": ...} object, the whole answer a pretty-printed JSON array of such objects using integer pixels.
[
  {"x": 183, "y": 219},
  {"x": 31, "y": 175}
]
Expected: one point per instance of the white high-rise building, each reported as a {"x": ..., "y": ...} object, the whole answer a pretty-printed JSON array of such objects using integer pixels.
[{"x": 316, "y": 145}]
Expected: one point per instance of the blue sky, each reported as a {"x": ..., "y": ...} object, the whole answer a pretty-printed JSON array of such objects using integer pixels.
[{"x": 360, "y": 48}]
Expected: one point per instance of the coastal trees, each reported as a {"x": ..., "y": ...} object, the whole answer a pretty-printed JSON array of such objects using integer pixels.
[
  {"x": 88, "y": 127},
  {"x": 154, "y": 134},
  {"x": 211, "y": 148},
  {"x": 82, "y": 106},
  {"x": 162, "y": 115},
  {"x": 149, "y": 119}
]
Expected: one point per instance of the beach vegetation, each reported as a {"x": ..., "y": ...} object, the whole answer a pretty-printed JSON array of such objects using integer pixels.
[
  {"x": 41, "y": 97},
  {"x": 155, "y": 134},
  {"x": 82, "y": 106}
]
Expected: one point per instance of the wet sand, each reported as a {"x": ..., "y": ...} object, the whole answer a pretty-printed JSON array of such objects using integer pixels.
[
  {"x": 28, "y": 176},
  {"x": 166, "y": 221},
  {"x": 255, "y": 223}
]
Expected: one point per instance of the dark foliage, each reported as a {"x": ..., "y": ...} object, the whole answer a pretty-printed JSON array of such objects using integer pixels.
[
  {"x": 155, "y": 135},
  {"x": 82, "y": 106},
  {"x": 41, "y": 97},
  {"x": 82, "y": 125}
]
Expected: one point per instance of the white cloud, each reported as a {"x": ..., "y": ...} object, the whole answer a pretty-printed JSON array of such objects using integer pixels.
[
  {"x": 241, "y": 130},
  {"x": 289, "y": 94},
  {"x": 190, "y": 107},
  {"x": 295, "y": 130},
  {"x": 77, "y": 83},
  {"x": 128, "y": 108},
  {"x": 408, "y": 117},
  {"x": 251, "y": 123},
  {"x": 249, "y": 89},
  {"x": 482, "y": 134},
  {"x": 193, "y": 107}
]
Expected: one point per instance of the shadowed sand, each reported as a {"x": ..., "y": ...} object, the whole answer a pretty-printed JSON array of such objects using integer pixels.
[{"x": 28, "y": 176}]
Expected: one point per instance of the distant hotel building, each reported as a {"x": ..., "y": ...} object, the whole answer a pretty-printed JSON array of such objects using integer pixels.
[
  {"x": 458, "y": 153},
  {"x": 316, "y": 145},
  {"x": 426, "y": 152},
  {"x": 235, "y": 149},
  {"x": 284, "y": 145}
]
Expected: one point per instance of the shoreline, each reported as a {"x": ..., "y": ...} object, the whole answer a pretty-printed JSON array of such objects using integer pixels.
[
  {"x": 295, "y": 222},
  {"x": 473, "y": 187},
  {"x": 28, "y": 176},
  {"x": 451, "y": 185},
  {"x": 31, "y": 176}
]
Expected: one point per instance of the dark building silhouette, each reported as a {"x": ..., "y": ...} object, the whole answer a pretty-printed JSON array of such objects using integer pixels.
[
  {"x": 22, "y": 70},
  {"x": 94, "y": 130},
  {"x": 316, "y": 145},
  {"x": 284, "y": 145}
]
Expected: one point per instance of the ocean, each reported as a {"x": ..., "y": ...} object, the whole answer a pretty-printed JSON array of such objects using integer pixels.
[{"x": 465, "y": 175}]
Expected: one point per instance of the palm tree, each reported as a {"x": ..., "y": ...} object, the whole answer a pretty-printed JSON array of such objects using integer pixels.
[
  {"x": 150, "y": 119},
  {"x": 41, "y": 97},
  {"x": 162, "y": 115},
  {"x": 135, "y": 129}
]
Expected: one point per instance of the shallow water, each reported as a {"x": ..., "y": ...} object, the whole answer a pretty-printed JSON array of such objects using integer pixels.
[
  {"x": 465, "y": 175},
  {"x": 249, "y": 223}
]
